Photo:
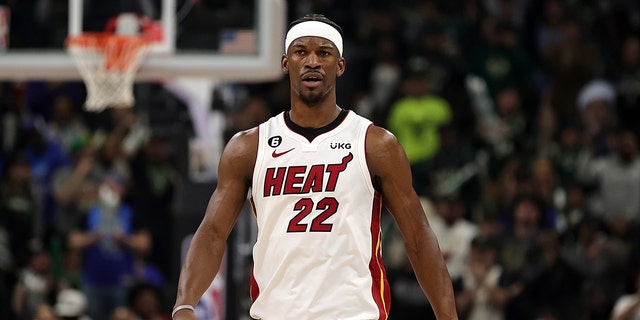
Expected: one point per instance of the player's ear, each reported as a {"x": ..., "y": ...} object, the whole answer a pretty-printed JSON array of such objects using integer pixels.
[
  {"x": 284, "y": 64},
  {"x": 341, "y": 65}
]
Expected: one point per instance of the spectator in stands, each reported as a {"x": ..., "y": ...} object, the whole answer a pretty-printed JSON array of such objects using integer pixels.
[
  {"x": 511, "y": 179},
  {"x": 601, "y": 265},
  {"x": 148, "y": 271},
  {"x": 454, "y": 232},
  {"x": 544, "y": 140},
  {"x": 40, "y": 96},
  {"x": 385, "y": 75},
  {"x": 12, "y": 119},
  {"x": 570, "y": 150},
  {"x": 446, "y": 65},
  {"x": 129, "y": 132},
  {"x": 383, "y": 20},
  {"x": 111, "y": 154},
  {"x": 513, "y": 119},
  {"x": 615, "y": 180},
  {"x": 66, "y": 127},
  {"x": 499, "y": 59},
  {"x": 568, "y": 65},
  {"x": 416, "y": 116},
  {"x": 572, "y": 212},
  {"x": 544, "y": 182},
  {"x": 552, "y": 288},
  {"x": 154, "y": 179},
  {"x": 596, "y": 104},
  {"x": 20, "y": 210},
  {"x": 145, "y": 300},
  {"x": 35, "y": 286},
  {"x": 70, "y": 269},
  {"x": 519, "y": 255},
  {"x": 479, "y": 282},
  {"x": 118, "y": 141},
  {"x": 455, "y": 168},
  {"x": 110, "y": 239},
  {"x": 44, "y": 156},
  {"x": 505, "y": 130},
  {"x": 75, "y": 188},
  {"x": 548, "y": 28}
]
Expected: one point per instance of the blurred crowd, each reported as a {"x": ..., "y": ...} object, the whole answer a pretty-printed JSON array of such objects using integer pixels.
[{"x": 520, "y": 119}]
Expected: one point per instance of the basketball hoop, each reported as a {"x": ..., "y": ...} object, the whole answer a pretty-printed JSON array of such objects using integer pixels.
[{"x": 107, "y": 63}]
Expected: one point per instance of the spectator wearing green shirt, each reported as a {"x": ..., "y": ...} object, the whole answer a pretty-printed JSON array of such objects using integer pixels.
[{"x": 416, "y": 117}]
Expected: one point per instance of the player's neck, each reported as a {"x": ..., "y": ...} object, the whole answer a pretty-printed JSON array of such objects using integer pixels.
[{"x": 314, "y": 116}]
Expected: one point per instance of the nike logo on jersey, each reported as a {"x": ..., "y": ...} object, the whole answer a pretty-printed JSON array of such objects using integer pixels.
[{"x": 276, "y": 154}]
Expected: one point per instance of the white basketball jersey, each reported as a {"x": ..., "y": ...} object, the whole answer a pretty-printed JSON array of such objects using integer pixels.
[{"x": 317, "y": 254}]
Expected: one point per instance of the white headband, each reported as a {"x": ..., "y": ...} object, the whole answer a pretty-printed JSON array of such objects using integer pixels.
[{"x": 314, "y": 29}]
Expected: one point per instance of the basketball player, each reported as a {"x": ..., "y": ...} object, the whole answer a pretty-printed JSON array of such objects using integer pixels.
[{"x": 319, "y": 176}]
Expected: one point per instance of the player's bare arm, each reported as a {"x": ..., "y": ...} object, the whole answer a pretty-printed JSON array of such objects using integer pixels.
[
  {"x": 391, "y": 174},
  {"x": 225, "y": 205}
]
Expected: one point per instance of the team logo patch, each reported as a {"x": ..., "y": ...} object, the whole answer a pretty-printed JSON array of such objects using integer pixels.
[{"x": 274, "y": 141}]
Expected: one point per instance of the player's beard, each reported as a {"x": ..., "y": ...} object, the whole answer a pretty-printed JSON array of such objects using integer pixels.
[{"x": 313, "y": 98}]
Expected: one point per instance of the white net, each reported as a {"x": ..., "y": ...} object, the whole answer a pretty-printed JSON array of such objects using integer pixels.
[{"x": 107, "y": 64}]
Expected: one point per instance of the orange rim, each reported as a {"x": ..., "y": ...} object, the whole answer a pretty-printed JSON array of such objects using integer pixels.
[{"x": 120, "y": 51}]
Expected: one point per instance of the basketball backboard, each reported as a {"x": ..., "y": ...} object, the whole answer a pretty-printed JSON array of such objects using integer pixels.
[{"x": 233, "y": 40}]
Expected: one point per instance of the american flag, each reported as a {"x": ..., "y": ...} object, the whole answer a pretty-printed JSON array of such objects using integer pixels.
[{"x": 238, "y": 41}]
